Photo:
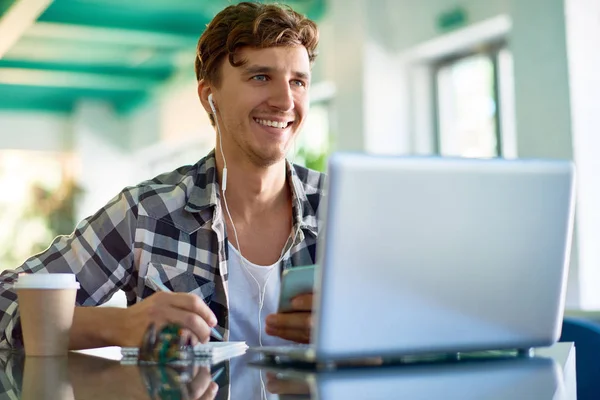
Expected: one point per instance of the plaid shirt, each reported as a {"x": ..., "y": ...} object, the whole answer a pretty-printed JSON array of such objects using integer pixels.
[{"x": 171, "y": 227}]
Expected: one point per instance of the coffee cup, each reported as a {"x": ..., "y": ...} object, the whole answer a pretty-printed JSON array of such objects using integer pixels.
[{"x": 46, "y": 305}]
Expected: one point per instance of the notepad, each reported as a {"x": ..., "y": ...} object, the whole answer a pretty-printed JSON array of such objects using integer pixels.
[{"x": 213, "y": 352}]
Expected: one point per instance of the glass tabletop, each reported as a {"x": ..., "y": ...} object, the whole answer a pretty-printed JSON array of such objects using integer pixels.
[{"x": 85, "y": 376}]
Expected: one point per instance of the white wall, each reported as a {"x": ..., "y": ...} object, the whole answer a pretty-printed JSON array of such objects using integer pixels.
[
  {"x": 143, "y": 125},
  {"x": 542, "y": 105},
  {"x": 182, "y": 115},
  {"x": 174, "y": 116},
  {"x": 34, "y": 131},
  {"x": 102, "y": 146},
  {"x": 583, "y": 39},
  {"x": 347, "y": 51},
  {"x": 402, "y": 24},
  {"x": 170, "y": 131},
  {"x": 543, "y": 110}
]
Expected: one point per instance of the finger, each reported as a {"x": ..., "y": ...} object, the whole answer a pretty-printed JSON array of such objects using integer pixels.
[
  {"x": 186, "y": 335},
  {"x": 287, "y": 386},
  {"x": 295, "y": 335},
  {"x": 294, "y": 320},
  {"x": 303, "y": 302},
  {"x": 271, "y": 376},
  {"x": 191, "y": 302},
  {"x": 200, "y": 384},
  {"x": 210, "y": 393},
  {"x": 191, "y": 321}
]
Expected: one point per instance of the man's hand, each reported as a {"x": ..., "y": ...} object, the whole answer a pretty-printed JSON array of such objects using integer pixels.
[
  {"x": 184, "y": 309},
  {"x": 288, "y": 386},
  {"x": 295, "y": 325},
  {"x": 100, "y": 378},
  {"x": 202, "y": 387}
]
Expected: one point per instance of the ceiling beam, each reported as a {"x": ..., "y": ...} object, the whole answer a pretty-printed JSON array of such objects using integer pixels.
[
  {"x": 102, "y": 35},
  {"x": 83, "y": 54},
  {"x": 17, "y": 19},
  {"x": 74, "y": 80},
  {"x": 184, "y": 6}
]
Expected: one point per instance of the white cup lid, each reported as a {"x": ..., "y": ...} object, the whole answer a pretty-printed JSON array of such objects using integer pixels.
[{"x": 46, "y": 281}]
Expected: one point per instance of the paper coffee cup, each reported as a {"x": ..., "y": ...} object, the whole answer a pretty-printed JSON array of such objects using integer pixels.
[{"x": 46, "y": 305}]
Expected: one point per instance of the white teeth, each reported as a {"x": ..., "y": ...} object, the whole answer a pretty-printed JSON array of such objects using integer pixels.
[{"x": 275, "y": 124}]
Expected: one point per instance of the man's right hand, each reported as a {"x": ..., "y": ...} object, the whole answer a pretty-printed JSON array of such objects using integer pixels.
[{"x": 184, "y": 309}]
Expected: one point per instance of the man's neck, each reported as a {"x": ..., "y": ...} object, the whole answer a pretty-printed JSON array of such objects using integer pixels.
[{"x": 253, "y": 190}]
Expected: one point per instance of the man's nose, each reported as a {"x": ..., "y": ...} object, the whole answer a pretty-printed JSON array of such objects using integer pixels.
[{"x": 282, "y": 97}]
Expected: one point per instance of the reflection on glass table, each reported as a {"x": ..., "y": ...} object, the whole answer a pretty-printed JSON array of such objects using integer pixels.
[
  {"x": 498, "y": 377},
  {"x": 81, "y": 376},
  {"x": 550, "y": 374}
]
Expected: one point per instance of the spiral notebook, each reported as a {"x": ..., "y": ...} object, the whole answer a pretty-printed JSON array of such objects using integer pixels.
[{"x": 214, "y": 352}]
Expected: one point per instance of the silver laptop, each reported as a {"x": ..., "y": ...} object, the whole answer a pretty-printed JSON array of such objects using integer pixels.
[{"x": 434, "y": 255}]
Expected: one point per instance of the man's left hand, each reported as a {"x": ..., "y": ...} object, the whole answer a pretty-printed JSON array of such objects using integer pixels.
[{"x": 295, "y": 325}]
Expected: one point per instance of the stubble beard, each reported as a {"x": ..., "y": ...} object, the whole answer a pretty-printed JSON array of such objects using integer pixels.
[{"x": 261, "y": 159}]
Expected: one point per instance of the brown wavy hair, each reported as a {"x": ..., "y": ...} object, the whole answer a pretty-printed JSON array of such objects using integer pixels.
[{"x": 255, "y": 25}]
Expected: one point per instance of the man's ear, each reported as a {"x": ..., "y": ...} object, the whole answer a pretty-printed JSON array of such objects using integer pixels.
[{"x": 203, "y": 91}]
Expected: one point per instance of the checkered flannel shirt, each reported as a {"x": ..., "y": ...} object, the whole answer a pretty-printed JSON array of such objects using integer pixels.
[
  {"x": 11, "y": 375},
  {"x": 171, "y": 227}
]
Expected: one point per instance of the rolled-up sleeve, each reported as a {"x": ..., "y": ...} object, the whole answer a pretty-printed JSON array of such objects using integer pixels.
[{"x": 100, "y": 251}]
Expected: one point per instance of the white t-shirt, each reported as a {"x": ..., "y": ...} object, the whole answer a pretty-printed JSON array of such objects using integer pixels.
[{"x": 244, "y": 301}]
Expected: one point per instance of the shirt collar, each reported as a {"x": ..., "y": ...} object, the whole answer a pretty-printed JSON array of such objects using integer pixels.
[
  {"x": 206, "y": 193},
  {"x": 304, "y": 215}
]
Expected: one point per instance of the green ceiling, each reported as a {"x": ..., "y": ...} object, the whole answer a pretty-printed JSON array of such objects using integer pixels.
[{"x": 119, "y": 51}]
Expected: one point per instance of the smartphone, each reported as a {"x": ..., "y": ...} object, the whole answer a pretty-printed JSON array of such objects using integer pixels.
[{"x": 295, "y": 281}]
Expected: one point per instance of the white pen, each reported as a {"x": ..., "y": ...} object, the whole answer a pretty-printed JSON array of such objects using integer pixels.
[{"x": 158, "y": 285}]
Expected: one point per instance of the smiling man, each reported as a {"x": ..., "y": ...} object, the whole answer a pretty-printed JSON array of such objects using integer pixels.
[
  {"x": 217, "y": 233},
  {"x": 259, "y": 96}
]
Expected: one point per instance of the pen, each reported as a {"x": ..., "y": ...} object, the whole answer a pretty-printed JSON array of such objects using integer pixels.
[
  {"x": 215, "y": 375},
  {"x": 158, "y": 285}
]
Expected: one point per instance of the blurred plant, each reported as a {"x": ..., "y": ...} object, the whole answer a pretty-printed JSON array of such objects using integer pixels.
[
  {"x": 56, "y": 207},
  {"x": 315, "y": 141},
  {"x": 316, "y": 160},
  {"x": 38, "y": 206}
]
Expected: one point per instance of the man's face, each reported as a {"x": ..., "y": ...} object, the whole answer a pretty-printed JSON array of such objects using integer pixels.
[{"x": 262, "y": 104}]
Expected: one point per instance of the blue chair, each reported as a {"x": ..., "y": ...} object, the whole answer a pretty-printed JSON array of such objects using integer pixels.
[{"x": 586, "y": 335}]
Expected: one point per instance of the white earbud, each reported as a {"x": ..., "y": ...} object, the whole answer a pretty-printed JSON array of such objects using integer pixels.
[{"x": 212, "y": 105}]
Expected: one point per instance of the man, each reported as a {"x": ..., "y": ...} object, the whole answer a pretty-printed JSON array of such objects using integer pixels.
[{"x": 203, "y": 237}]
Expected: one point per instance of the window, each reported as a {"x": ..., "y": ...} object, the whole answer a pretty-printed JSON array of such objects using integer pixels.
[{"x": 468, "y": 103}]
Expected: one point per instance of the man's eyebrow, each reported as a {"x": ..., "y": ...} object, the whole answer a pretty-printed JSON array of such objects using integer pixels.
[
  {"x": 302, "y": 75},
  {"x": 261, "y": 69}
]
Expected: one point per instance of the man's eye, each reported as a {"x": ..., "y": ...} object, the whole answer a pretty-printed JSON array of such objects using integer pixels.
[
  {"x": 297, "y": 82},
  {"x": 261, "y": 78}
]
